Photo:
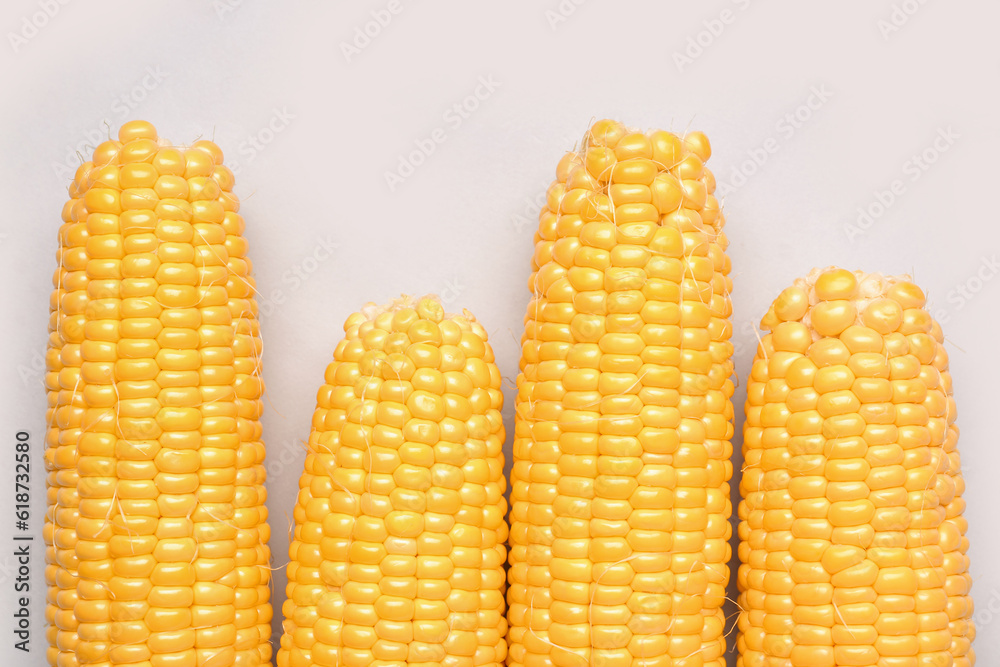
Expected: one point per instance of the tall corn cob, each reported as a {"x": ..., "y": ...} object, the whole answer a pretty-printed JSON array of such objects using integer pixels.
[
  {"x": 620, "y": 494},
  {"x": 398, "y": 550},
  {"x": 852, "y": 539},
  {"x": 156, "y": 502}
]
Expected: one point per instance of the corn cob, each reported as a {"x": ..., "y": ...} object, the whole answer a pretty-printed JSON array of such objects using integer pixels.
[
  {"x": 852, "y": 540},
  {"x": 398, "y": 551},
  {"x": 156, "y": 524},
  {"x": 620, "y": 494}
]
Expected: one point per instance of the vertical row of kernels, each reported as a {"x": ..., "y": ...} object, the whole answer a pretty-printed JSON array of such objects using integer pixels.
[
  {"x": 719, "y": 408},
  {"x": 922, "y": 424},
  {"x": 215, "y": 614},
  {"x": 138, "y": 509},
  {"x": 98, "y": 441},
  {"x": 533, "y": 485},
  {"x": 253, "y": 617},
  {"x": 159, "y": 441},
  {"x": 954, "y": 543},
  {"x": 63, "y": 419}
]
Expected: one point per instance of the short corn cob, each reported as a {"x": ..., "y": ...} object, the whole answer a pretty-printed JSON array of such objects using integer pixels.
[
  {"x": 398, "y": 550},
  {"x": 156, "y": 525},
  {"x": 852, "y": 539},
  {"x": 620, "y": 494}
]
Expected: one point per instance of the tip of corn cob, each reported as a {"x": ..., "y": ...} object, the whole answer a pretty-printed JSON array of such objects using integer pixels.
[
  {"x": 139, "y": 142},
  {"x": 428, "y": 307},
  {"x": 619, "y": 174},
  {"x": 831, "y": 299},
  {"x": 612, "y": 134}
]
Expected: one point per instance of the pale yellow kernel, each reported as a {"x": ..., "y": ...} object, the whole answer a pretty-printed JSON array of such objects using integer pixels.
[
  {"x": 830, "y": 318},
  {"x": 907, "y": 295},
  {"x": 633, "y": 145},
  {"x": 668, "y": 149},
  {"x": 566, "y": 163},
  {"x": 601, "y": 163},
  {"x": 836, "y": 284},
  {"x": 883, "y": 315},
  {"x": 792, "y": 304},
  {"x": 606, "y": 132}
]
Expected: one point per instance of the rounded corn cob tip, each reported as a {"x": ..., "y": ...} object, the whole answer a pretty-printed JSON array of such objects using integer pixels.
[
  {"x": 156, "y": 525},
  {"x": 828, "y": 301},
  {"x": 399, "y": 539},
  {"x": 428, "y": 307},
  {"x": 654, "y": 173},
  {"x": 852, "y": 540},
  {"x": 619, "y": 487}
]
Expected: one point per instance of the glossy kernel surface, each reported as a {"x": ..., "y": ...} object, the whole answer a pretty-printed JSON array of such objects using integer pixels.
[
  {"x": 623, "y": 419},
  {"x": 156, "y": 526},
  {"x": 400, "y": 530},
  {"x": 852, "y": 539}
]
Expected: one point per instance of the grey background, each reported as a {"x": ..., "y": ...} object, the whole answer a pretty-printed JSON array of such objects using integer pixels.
[{"x": 885, "y": 80}]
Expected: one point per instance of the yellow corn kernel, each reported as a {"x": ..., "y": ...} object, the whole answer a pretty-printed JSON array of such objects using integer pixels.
[
  {"x": 620, "y": 493},
  {"x": 399, "y": 543},
  {"x": 65, "y": 417},
  {"x": 853, "y": 532},
  {"x": 156, "y": 528}
]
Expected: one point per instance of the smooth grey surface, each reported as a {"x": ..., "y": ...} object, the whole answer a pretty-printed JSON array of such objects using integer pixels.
[{"x": 327, "y": 233}]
